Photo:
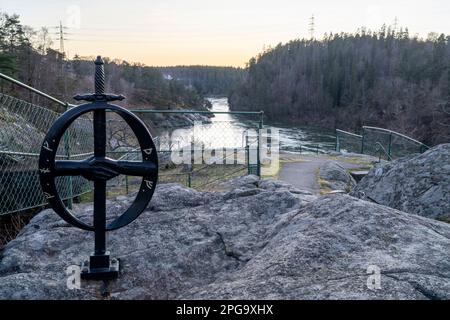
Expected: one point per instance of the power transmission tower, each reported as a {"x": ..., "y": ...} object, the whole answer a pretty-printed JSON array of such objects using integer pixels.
[
  {"x": 311, "y": 27},
  {"x": 395, "y": 24},
  {"x": 61, "y": 33},
  {"x": 61, "y": 38}
]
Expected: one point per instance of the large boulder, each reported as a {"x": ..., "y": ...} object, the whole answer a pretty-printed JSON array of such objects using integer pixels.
[
  {"x": 330, "y": 248},
  {"x": 255, "y": 240},
  {"x": 333, "y": 176},
  {"x": 418, "y": 184},
  {"x": 185, "y": 239}
]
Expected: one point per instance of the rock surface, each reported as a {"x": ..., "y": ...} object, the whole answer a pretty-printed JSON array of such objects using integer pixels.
[
  {"x": 254, "y": 240},
  {"x": 335, "y": 177},
  {"x": 418, "y": 184}
]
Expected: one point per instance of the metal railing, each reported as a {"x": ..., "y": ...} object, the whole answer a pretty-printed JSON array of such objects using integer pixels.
[
  {"x": 348, "y": 142},
  {"x": 378, "y": 142},
  {"x": 23, "y": 126}
]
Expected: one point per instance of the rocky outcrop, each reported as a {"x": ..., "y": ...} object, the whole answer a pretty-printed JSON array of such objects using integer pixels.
[
  {"x": 329, "y": 249},
  {"x": 333, "y": 176},
  {"x": 255, "y": 239},
  {"x": 418, "y": 184}
]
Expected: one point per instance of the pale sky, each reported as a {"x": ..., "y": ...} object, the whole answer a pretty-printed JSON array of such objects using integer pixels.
[{"x": 214, "y": 32}]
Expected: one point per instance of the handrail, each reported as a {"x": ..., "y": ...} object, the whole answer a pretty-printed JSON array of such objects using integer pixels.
[
  {"x": 380, "y": 146},
  {"x": 398, "y": 134},
  {"x": 40, "y": 93},
  {"x": 349, "y": 133}
]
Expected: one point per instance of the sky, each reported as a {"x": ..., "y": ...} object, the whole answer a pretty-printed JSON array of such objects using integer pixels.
[{"x": 213, "y": 32}]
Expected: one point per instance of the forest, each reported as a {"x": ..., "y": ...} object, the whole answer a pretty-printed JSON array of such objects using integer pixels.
[
  {"x": 386, "y": 78},
  {"x": 207, "y": 80},
  {"x": 26, "y": 55}
]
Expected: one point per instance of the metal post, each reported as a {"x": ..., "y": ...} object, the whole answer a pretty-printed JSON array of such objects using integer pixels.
[
  {"x": 258, "y": 149},
  {"x": 390, "y": 145},
  {"x": 70, "y": 178},
  {"x": 337, "y": 143},
  {"x": 362, "y": 142},
  {"x": 247, "y": 157}
]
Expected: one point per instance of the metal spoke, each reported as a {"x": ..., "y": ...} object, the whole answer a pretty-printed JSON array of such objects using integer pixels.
[{"x": 103, "y": 168}]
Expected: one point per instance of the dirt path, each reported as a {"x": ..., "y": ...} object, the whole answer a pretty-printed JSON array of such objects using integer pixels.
[{"x": 302, "y": 175}]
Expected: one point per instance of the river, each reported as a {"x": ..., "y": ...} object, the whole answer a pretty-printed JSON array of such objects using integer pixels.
[
  {"x": 292, "y": 138},
  {"x": 230, "y": 130}
]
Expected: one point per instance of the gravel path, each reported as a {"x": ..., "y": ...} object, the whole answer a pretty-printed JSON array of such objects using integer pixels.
[{"x": 302, "y": 174}]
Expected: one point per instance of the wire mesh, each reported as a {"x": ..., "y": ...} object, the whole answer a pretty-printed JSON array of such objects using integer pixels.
[
  {"x": 197, "y": 150},
  {"x": 387, "y": 144},
  {"x": 22, "y": 130},
  {"x": 209, "y": 151},
  {"x": 348, "y": 142},
  {"x": 378, "y": 142}
]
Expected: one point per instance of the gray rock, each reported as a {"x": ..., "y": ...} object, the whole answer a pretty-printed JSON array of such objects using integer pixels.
[
  {"x": 255, "y": 240},
  {"x": 186, "y": 239},
  {"x": 418, "y": 184},
  {"x": 335, "y": 177},
  {"x": 325, "y": 250}
]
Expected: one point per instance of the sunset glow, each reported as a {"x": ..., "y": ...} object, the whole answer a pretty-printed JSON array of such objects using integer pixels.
[{"x": 229, "y": 32}]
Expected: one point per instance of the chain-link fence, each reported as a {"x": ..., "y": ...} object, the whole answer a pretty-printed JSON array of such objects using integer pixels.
[
  {"x": 388, "y": 144},
  {"x": 196, "y": 149},
  {"x": 348, "y": 142},
  {"x": 378, "y": 142},
  {"x": 22, "y": 129}
]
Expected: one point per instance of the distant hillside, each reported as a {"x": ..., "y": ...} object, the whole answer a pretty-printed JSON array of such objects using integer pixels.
[
  {"x": 26, "y": 55},
  {"x": 205, "y": 79},
  {"x": 387, "y": 79}
]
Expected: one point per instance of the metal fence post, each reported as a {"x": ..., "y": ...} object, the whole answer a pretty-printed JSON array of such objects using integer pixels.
[
  {"x": 362, "y": 141},
  {"x": 390, "y": 145},
  {"x": 258, "y": 156},
  {"x": 67, "y": 151},
  {"x": 247, "y": 159},
  {"x": 337, "y": 143}
]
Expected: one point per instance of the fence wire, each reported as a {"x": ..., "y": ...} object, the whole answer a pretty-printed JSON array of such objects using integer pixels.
[
  {"x": 210, "y": 151},
  {"x": 378, "y": 142},
  {"x": 22, "y": 129},
  {"x": 348, "y": 142},
  {"x": 193, "y": 149},
  {"x": 388, "y": 145}
]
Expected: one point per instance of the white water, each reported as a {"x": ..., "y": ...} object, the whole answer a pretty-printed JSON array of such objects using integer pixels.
[{"x": 228, "y": 130}]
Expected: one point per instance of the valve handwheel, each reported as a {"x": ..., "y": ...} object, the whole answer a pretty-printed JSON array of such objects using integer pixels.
[{"x": 99, "y": 169}]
